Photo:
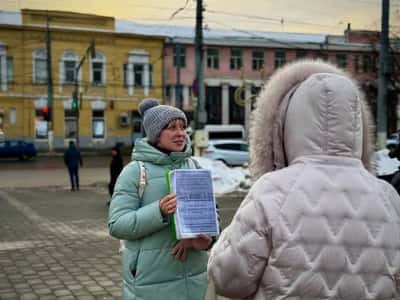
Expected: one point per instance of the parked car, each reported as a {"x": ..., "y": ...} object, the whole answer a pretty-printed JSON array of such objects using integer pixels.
[
  {"x": 393, "y": 140},
  {"x": 231, "y": 152},
  {"x": 15, "y": 148}
]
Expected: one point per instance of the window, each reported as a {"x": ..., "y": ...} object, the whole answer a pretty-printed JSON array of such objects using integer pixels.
[
  {"x": 367, "y": 65},
  {"x": 98, "y": 69},
  {"x": 151, "y": 74},
  {"x": 180, "y": 53},
  {"x": 125, "y": 71},
  {"x": 69, "y": 71},
  {"x": 236, "y": 59},
  {"x": 40, "y": 66},
  {"x": 280, "y": 58},
  {"x": 258, "y": 59},
  {"x": 10, "y": 69},
  {"x": 301, "y": 54},
  {"x": 357, "y": 63},
  {"x": 168, "y": 91},
  {"x": 212, "y": 58},
  {"x": 98, "y": 130},
  {"x": 12, "y": 116},
  {"x": 41, "y": 125},
  {"x": 97, "y": 73},
  {"x": 341, "y": 60},
  {"x": 70, "y": 123},
  {"x": 138, "y": 74},
  {"x": 233, "y": 146},
  {"x": 69, "y": 63}
]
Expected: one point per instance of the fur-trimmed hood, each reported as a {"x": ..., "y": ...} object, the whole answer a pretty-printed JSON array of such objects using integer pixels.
[{"x": 299, "y": 113}]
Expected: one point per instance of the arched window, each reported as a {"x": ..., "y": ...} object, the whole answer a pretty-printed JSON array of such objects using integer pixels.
[
  {"x": 68, "y": 65},
  {"x": 39, "y": 72},
  {"x": 98, "y": 69}
]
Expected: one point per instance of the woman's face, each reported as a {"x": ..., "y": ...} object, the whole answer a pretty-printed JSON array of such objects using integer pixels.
[{"x": 173, "y": 137}]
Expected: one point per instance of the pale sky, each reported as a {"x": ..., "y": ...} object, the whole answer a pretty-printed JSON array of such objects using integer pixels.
[{"x": 307, "y": 16}]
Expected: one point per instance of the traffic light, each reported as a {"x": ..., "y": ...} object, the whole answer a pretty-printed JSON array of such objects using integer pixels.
[
  {"x": 74, "y": 105},
  {"x": 46, "y": 113}
]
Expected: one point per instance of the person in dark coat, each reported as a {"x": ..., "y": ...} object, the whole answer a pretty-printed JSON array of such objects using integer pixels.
[
  {"x": 116, "y": 166},
  {"x": 73, "y": 159}
]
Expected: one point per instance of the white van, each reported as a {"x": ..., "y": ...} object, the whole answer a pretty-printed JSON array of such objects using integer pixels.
[{"x": 221, "y": 132}]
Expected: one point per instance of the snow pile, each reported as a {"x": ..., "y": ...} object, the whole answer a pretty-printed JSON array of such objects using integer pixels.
[
  {"x": 225, "y": 179},
  {"x": 384, "y": 164}
]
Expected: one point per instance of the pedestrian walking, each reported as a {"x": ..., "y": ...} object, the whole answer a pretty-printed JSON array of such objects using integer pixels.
[
  {"x": 116, "y": 166},
  {"x": 316, "y": 224},
  {"x": 155, "y": 266},
  {"x": 73, "y": 159}
]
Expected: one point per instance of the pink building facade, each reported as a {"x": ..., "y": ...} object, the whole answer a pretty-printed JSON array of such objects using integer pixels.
[{"x": 236, "y": 68}]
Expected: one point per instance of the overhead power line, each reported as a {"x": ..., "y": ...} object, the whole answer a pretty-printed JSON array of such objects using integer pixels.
[
  {"x": 179, "y": 10},
  {"x": 274, "y": 20}
]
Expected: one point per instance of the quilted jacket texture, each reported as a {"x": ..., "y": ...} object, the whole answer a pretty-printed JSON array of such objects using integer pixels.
[
  {"x": 316, "y": 224},
  {"x": 149, "y": 271}
]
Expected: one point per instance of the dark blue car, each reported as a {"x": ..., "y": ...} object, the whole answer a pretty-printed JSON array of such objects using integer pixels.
[{"x": 19, "y": 149}]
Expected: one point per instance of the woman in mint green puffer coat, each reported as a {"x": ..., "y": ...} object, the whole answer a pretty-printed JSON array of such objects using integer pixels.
[{"x": 155, "y": 266}]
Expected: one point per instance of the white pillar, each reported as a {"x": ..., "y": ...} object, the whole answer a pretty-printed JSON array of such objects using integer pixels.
[
  {"x": 186, "y": 99},
  {"x": 225, "y": 103},
  {"x": 146, "y": 79},
  {"x": 3, "y": 70},
  {"x": 130, "y": 79}
]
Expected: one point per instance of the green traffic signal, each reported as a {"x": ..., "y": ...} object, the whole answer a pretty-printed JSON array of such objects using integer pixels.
[{"x": 75, "y": 104}]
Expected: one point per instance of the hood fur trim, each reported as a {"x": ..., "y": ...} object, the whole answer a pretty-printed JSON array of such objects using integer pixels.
[{"x": 265, "y": 144}]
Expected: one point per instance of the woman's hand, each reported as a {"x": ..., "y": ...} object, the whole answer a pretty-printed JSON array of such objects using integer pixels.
[
  {"x": 181, "y": 248},
  {"x": 202, "y": 242},
  {"x": 168, "y": 205}
]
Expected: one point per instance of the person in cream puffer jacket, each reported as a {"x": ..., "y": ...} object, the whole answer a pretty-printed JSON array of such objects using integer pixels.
[{"x": 316, "y": 224}]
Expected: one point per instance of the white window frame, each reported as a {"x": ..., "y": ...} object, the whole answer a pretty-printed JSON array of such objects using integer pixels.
[
  {"x": 10, "y": 69},
  {"x": 39, "y": 54},
  {"x": 38, "y": 105},
  {"x": 69, "y": 56},
  {"x": 99, "y": 105},
  {"x": 70, "y": 118},
  {"x": 3, "y": 67},
  {"x": 98, "y": 119},
  {"x": 181, "y": 56},
  {"x": 138, "y": 56},
  {"x": 99, "y": 58},
  {"x": 12, "y": 116},
  {"x": 280, "y": 58},
  {"x": 138, "y": 73},
  {"x": 257, "y": 62},
  {"x": 236, "y": 59},
  {"x": 213, "y": 58}
]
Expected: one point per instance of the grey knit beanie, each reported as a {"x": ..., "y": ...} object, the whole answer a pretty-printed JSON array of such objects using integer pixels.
[{"x": 156, "y": 117}]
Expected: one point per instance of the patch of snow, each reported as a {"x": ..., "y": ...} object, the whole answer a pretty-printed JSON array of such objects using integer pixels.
[
  {"x": 10, "y": 17},
  {"x": 126, "y": 26},
  {"x": 384, "y": 164},
  {"x": 225, "y": 179}
]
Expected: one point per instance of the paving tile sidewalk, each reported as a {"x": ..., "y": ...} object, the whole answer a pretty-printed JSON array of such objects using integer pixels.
[
  {"x": 54, "y": 244},
  {"x": 48, "y": 251}
]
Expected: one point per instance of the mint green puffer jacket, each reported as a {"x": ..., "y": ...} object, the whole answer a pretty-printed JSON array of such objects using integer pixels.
[{"x": 150, "y": 272}]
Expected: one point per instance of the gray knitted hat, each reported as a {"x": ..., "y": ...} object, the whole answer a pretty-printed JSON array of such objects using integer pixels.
[{"x": 156, "y": 117}]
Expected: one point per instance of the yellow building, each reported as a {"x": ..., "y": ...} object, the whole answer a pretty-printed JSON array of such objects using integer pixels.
[{"x": 118, "y": 70}]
